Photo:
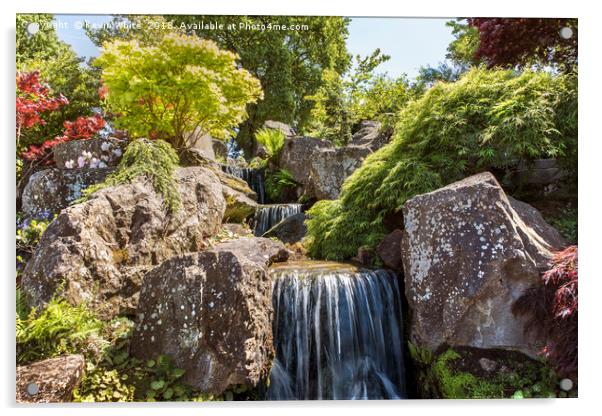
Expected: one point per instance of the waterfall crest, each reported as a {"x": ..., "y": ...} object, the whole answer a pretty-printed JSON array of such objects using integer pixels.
[
  {"x": 253, "y": 177},
  {"x": 337, "y": 333},
  {"x": 268, "y": 216}
]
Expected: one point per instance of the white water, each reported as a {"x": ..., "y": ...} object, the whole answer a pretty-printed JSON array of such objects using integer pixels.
[
  {"x": 253, "y": 177},
  {"x": 337, "y": 333},
  {"x": 268, "y": 216}
]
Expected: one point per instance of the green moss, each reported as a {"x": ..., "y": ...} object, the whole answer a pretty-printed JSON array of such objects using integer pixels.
[
  {"x": 155, "y": 159},
  {"x": 487, "y": 119}
]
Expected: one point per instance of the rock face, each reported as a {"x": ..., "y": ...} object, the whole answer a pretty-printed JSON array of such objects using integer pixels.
[
  {"x": 469, "y": 252},
  {"x": 49, "y": 381},
  {"x": 201, "y": 142},
  {"x": 212, "y": 312},
  {"x": 289, "y": 230},
  {"x": 329, "y": 167},
  {"x": 101, "y": 153},
  {"x": 371, "y": 135},
  {"x": 389, "y": 250},
  {"x": 238, "y": 205},
  {"x": 220, "y": 149},
  {"x": 50, "y": 190},
  {"x": 297, "y": 152},
  {"x": 277, "y": 125},
  {"x": 98, "y": 247}
]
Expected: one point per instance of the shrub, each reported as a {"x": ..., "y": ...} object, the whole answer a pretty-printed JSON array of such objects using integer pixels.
[
  {"x": 60, "y": 328},
  {"x": 28, "y": 236},
  {"x": 174, "y": 87},
  {"x": 487, "y": 119},
  {"x": 552, "y": 310},
  {"x": 272, "y": 140},
  {"x": 155, "y": 159}
]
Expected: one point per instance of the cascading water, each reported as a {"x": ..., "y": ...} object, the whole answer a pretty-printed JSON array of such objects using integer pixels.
[
  {"x": 267, "y": 216},
  {"x": 337, "y": 333},
  {"x": 253, "y": 177}
]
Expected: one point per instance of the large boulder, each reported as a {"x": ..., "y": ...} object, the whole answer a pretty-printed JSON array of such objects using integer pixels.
[
  {"x": 220, "y": 149},
  {"x": 329, "y": 167},
  {"x": 50, "y": 190},
  {"x": 93, "y": 250},
  {"x": 389, "y": 250},
  {"x": 92, "y": 153},
  {"x": 290, "y": 230},
  {"x": 49, "y": 381},
  {"x": 371, "y": 135},
  {"x": 238, "y": 205},
  {"x": 286, "y": 129},
  {"x": 201, "y": 142},
  {"x": 296, "y": 154},
  {"x": 469, "y": 251},
  {"x": 212, "y": 313}
]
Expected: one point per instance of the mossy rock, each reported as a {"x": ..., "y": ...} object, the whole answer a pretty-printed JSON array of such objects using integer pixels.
[{"x": 474, "y": 373}]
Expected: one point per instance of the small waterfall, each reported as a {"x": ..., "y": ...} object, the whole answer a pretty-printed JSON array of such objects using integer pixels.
[
  {"x": 267, "y": 216},
  {"x": 337, "y": 333},
  {"x": 253, "y": 177}
]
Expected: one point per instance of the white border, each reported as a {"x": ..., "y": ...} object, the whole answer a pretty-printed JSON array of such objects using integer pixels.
[{"x": 589, "y": 155}]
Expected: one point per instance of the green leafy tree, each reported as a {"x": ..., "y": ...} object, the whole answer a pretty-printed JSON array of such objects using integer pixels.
[
  {"x": 181, "y": 84},
  {"x": 61, "y": 68},
  {"x": 288, "y": 63},
  {"x": 463, "y": 49}
]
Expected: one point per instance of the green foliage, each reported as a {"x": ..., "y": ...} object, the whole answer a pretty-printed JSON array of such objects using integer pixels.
[
  {"x": 526, "y": 380},
  {"x": 272, "y": 140},
  {"x": 155, "y": 159},
  {"x": 22, "y": 310},
  {"x": 344, "y": 100},
  {"x": 462, "y": 50},
  {"x": 176, "y": 86},
  {"x": 487, "y": 119},
  {"x": 278, "y": 183},
  {"x": 567, "y": 224},
  {"x": 58, "y": 329},
  {"x": 27, "y": 238},
  {"x": 61, "y": 68}
]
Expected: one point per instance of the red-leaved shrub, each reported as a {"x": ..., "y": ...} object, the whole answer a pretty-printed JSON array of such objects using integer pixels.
[{"x": 552, "y": 310}]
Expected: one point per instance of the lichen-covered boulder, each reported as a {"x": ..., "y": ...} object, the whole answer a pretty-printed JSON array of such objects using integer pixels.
[
  {"x": 329, "y": 167},
  {"x": 49, "y": 381},
  {"x": 89, "y": 250},
  {"x": 93, "y": 153},
  {"x": 469, "y": 251},
  {"x": 296, "y": 154},
  {"x": 50, "y": 190},
  {"x": 212, "y": 313},
  {"x": 238, "y": 205},
  {"x": 290, "y": 230},
  {"x": 371, "y": 135}
]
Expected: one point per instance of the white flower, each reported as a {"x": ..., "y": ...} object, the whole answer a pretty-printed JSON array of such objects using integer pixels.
[
  {"x": 94, "y": 163},
  {"x": 104, "y": 158},
  {"x": 105, "y": 146},
  {"x": 70, "y": 164},
  {"x": 87, "y": 155},
  {"x": 102, "y": 165},
  {"x": 81, "y": 161},
  {"x": 117, "y": 152}
]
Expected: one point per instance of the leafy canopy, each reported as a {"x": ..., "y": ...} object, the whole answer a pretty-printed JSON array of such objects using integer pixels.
[
  {"x": 181, "y": 84},
  {"x": 488, "y": 119}
]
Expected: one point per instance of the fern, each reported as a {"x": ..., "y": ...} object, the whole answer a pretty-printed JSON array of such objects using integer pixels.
[
  {"x": 156, "y": 160},
  {"x": 272, "y": 140},
  {"x": 278, "y": 182}
]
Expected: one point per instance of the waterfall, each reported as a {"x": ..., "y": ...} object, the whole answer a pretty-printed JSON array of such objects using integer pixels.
[
  {"x": 253, "y": 177},
  {"x": 267, "y": 216},
  {"x": 337, "y": 333}
]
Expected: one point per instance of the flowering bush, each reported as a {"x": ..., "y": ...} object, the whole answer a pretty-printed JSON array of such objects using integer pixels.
[
  {"x": 82, "y": 128},
  {"x": 553, "y": 308},
  {"x": 33, "y": 99}
]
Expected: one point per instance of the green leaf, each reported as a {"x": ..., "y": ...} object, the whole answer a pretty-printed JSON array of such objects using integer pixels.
[{"x": 157, "y": 384}]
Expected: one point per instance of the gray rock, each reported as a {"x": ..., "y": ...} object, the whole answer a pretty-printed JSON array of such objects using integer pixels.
[
  {"x": 107, "y": 151},
  {"x": 371, "y": 135},
  {"x": 202, "y": 142},
  {"x": 212, "y": 313},
  {"x": 220, "y": 149},
  {"x": 277, "y": 125},
  {"x": 296, "y": 154},
  {"x": 290, "y": 230},
  {"x": 238, "y": 205},
  {"x": 329, "y": 167},
  {"x": 89, "y": 249},
  {"x": 469, "y": 252},
  {"x": 389, "y": 250},
  {"x": 48, "y": 191},
  {"x": 50, "y": 381}
]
